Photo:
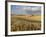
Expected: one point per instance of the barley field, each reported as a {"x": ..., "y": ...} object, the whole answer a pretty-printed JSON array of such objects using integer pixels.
[{"x": 25, "y": 23}]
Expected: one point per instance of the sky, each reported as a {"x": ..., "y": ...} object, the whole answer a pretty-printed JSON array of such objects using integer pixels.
[{"x": 26, "y": 10}]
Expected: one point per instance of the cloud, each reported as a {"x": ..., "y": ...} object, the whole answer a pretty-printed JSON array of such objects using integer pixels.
[
  {"x": 36, "y": 9},
  {"x": 24, "y": 8},
  {"x": 31, "y": 8}
]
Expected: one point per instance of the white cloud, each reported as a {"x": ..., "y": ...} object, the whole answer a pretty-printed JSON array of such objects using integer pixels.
[
  {"x": 27, "y": 8},
  {"x": 32, "y": 8},
  {"x": 36, "y": 9}
]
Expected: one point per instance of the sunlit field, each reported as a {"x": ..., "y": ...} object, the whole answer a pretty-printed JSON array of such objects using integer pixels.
[{"x": 25, "y": 23}]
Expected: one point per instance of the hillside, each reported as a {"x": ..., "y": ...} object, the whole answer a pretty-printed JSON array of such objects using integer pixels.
[
  {"x": 25, "y": 23},
  {"x": 31, "y": 18}
]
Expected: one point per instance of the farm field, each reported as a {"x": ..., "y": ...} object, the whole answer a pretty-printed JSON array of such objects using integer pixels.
[{"x": 25, "y": 23}]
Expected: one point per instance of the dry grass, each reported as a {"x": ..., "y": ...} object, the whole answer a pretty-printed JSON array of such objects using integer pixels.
[{"x": 25, "y": 23}]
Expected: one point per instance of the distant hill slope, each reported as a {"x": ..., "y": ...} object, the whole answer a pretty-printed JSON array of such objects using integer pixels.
[{"x": 27, "y": 17}]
